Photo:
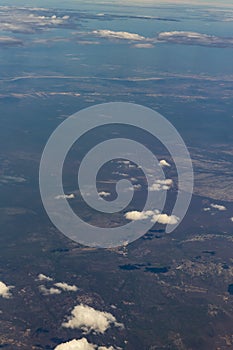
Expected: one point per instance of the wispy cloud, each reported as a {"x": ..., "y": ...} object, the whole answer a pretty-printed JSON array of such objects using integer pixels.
[{"x": 10, "y": 41}]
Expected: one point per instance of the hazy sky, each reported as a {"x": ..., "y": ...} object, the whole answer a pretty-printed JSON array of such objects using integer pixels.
[{"x": 151, "y": 2}]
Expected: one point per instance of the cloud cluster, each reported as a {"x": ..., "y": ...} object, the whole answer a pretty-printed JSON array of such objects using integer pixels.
[
  {"x": 160, "y": 185},
  {"x": 177, "y": 37},
  {"x": 193, "y": 38},
  {"x": 49, "y": 291},
  {"x": 5, "y": 290},
  {"x": 81, "y": 344},
  {"x": 153, "y": 215},
  {"x": 110, "y": 34},
  {"x": 56, "y": 288},
  {"x": 215, "y": 206},
  {"x": 88, "y": 319},
  {"x": 29, "y": 20}
]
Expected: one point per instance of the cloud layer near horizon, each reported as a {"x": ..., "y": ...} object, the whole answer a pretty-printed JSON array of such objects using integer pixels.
[{"x": 176, "y": 37}]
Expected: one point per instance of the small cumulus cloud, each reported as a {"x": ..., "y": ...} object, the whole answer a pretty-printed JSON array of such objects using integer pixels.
[
  {"x": 66, "y": 287},
  {"x": 153, "y": 215},
  {"x": 140, "y": 215},
  {"x": 5, "y": 290},
  {"x": 207, "y": 209},
  {"x": 88, "y": 319},
  {"x": 65, "y": 196},
  {"x": 137, "y": 187},
  {"x": 49, "y": 291},
  {"x": 231, "y": 219},
  {"x": 164, "y": 163},
  {"x": 218, "y": 207},
  {"x": 42, "y": 277},
  {"x": 165, "y": 219},
  {"x": 104, "y": 194}
]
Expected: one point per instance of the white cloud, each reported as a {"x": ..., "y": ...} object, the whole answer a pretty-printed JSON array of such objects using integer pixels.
[
  {"x": 80, "y": 344},
  {"x": 160, "y": 185},
  {"x": 137, "y": 187},
  {"x": 165, "y": 219},
  {"x": 231, "y": 218},
  {"x": 49, "y": 291},
  {"x": 65, "y": 196},
  {"x": 88, "y": 319},
  {"x": 42, "y": 277},
  {"x": 109, "y": 34},
  {"x": 124, "y": 162},
  {"x": 193, "y": 38},
  {"x": 154, "y": 215},
  {"x": 66, "y": 287},
  {"x": 140, "y": 215},
  {"x": 143, "y": 46},
  {"x": 120, "y": 173},
  {"x": 5, "y": 290},
  {"x": 164, "y": 163},
  {"x": 104, "y": 194},
  {"x": 206, "y": 209},
  {"x": 218, "y": 207}
]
